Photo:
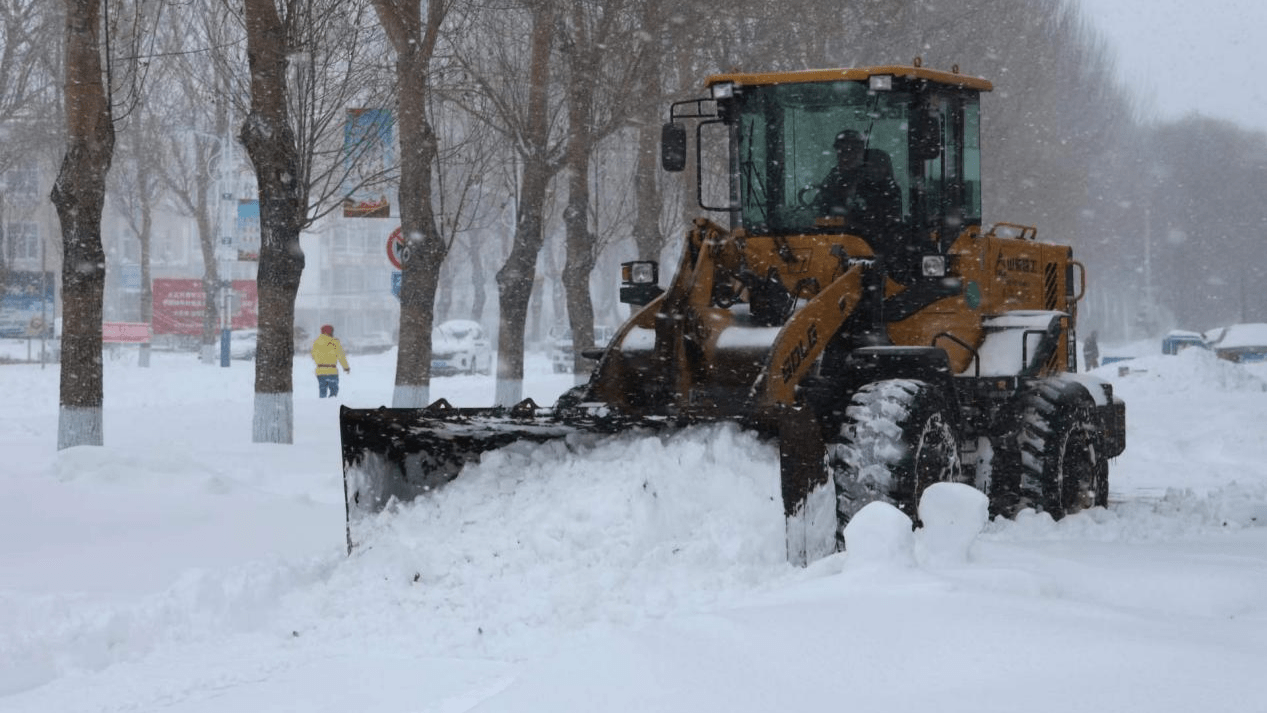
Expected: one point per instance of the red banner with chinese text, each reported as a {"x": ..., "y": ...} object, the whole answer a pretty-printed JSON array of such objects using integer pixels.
[{"x": 179, "y": 305}]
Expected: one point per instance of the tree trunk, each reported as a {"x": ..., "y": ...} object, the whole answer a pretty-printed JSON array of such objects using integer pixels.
[
  {"x": 210, "y": 282},
  {"x": 478, "y": 278},
  {"x": 648, "y": 237},
  {"x": 147, "y": 228},
  {"x": 517, "y": 275},
  {"x": 414, "y": 45},
  {"x": 580, "y": 241},
  {"x": 79, "y": 197},
  {"x": 649, "y": 202},
  {"x": 270, "y": 142},
  {"x": 444, "y": 299}
]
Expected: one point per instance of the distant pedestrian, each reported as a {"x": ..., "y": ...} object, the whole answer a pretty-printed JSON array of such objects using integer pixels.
[
  {"x": 327, "y": 354},
  {"x": 1091, "y": 351}
]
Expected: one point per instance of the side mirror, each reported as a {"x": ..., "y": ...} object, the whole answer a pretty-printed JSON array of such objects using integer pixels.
[
  {"x": 673, "y": 147},
  {"x": 925, "y": 136}
]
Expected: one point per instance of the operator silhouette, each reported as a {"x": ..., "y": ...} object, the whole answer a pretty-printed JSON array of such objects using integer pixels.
[{"x": 860, "y": 187}]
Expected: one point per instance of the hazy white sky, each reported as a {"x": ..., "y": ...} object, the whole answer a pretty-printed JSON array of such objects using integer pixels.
[{"x": 1191, "y": 55}]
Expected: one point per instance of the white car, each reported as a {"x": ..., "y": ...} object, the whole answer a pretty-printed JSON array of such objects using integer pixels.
[
  {"x": 561, "y": 348},
  {"x": 1245, "y": 343},
  {"x": 460, "y": 346}
]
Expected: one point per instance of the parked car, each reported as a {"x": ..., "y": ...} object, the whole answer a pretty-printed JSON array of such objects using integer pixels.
[
  {"x": 1239, "y": 342},
  {"x": 1177, "y": 340},
  {"x": 242, "y": 343},
  {"x": 561, "y": 347},
  {"x": 460, "y": 346}
]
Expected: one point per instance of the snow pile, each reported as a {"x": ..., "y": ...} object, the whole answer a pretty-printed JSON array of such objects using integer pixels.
[
  {"x": 951, "y": 516},
  {"x": 565, "y": 535},
  {"x": 182, "y": 568},
  {"x": 879, "y": 534},
  {"x": 1189, "y": 371}
]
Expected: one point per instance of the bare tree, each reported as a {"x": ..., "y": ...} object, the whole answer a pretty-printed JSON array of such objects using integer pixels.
[
  {"x": 28, "y": 73},
  {"x": 308, "y": 61},
  {"x": 200, "y": 98},
  {"x": 415, "y": 41},
  {"x": 470, "y": 203},
  {"x": 600, "y": 51},
  {"x": 1204, "y": 180},
  {"x": 79, "y": 196},
  {"x": 136, "y": 191},
  {"x": 524, "y": 112},
  {"x": 270, "y": 141},
  {"x": 648, "y": 236},
  {"x": 30, "y": 69}
]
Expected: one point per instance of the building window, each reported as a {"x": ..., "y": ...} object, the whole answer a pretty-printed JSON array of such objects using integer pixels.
[
  {"x": 349, "y": 281},
  {"x": 22, "y": 241},
  {"x": 339, "y": 243},
  {"x": 131, "y": 249},
  {"x": 170, "y": 248},
  {"x": 345, "y": 241},
  {"x": 21, "y": 183}
]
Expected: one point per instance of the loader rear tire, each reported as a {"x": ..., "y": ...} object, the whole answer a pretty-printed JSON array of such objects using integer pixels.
[
  {"x": 898, "y": 437},
  {"x": 1062, "y": 467}
]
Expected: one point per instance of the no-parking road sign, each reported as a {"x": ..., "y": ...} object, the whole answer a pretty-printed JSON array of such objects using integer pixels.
[{"x": 397, "y": 250}]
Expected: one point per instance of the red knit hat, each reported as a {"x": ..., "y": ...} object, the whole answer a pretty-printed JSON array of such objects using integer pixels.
[{"x": 327, "y": 329}]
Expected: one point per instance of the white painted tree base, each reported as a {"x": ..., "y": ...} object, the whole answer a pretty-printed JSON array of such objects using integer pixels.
[
  {"x": 411, "y": 396},
  {"x": 509, "y": 392},
  {"x": 274, "y": 420},
  {"x": 79, "y": 426}
]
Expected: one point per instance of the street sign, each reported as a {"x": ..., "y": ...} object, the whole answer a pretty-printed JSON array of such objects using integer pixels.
[
  {"x": 396, "y": 277},
  {"x": 130, "y": 277},
  {"x": 397, "y": 251}
]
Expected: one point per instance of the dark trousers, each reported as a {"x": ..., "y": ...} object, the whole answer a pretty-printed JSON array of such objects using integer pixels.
[{"x": 328, "y": 383}]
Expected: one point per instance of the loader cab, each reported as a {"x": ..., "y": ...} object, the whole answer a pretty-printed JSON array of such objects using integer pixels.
[{"x": 781, "y": 133}]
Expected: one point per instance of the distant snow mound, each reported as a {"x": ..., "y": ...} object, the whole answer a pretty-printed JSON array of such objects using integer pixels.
[
  {"x": 1175, "y": 515},
  {"x": 1189, "y": 370}
]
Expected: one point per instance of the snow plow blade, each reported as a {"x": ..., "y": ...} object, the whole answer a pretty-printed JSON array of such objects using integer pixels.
[{"x": 399, "y": 454}]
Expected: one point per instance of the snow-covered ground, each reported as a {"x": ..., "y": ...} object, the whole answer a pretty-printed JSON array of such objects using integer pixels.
[{"x": 182, "y": 568}]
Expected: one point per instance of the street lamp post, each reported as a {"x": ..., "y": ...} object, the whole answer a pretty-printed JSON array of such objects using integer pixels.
[
  {"x": 226, "y": 243},
  {"x": 226, "y": 321}
]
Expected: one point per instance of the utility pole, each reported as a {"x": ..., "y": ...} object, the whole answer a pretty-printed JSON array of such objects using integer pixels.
[
  {"x": 1149, "y": 310},
  {"x": 227, "y": 243}
]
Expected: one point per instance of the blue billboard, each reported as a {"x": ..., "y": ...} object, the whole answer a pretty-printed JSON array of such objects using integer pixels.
[{"x": 26, "y": 305}]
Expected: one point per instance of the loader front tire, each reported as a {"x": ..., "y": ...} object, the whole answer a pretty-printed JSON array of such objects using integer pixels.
[{"x": 898, "y": 437}]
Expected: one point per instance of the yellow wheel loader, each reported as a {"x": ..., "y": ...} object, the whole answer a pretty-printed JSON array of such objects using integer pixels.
[{"x": 844, "y": 299}]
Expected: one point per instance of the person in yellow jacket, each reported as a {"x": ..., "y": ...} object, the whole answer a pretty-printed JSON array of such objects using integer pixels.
[{"x": 328, "y": 354}]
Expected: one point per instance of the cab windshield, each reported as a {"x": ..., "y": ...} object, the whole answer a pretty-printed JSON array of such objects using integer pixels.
[{"x": 787, "y": 138}]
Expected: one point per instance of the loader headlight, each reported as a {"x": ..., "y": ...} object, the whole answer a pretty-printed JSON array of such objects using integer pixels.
[
  {"x": 723, "y": 90},
  {"x": 640, "y": 272},
  {"x": 639, "y": 280},
  {"x": 934, "y": 266}
]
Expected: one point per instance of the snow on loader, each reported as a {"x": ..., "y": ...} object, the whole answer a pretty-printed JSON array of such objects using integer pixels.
[{"x": 848, "y": 303}]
